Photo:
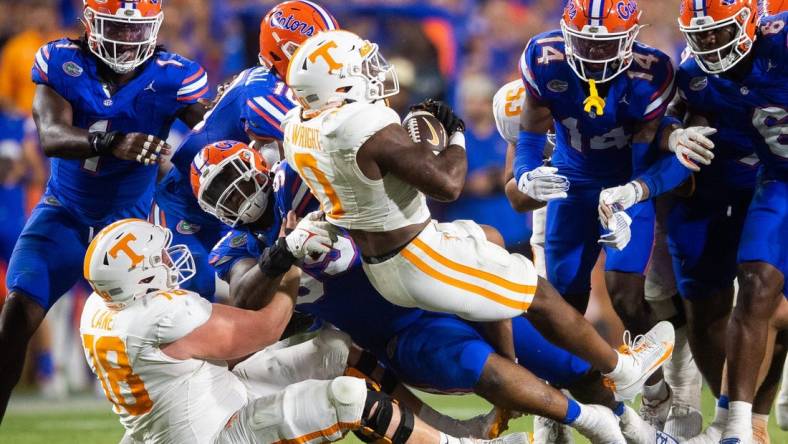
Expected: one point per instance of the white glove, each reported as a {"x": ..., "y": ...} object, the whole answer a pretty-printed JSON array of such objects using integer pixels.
[
  {"x": 623, "y": 197},
  {"x": 620, "y": 234},
  {"x": 544, "y": 184},
  {"x": 692, "y": 145},
  {"x": 312, "y": 236}
]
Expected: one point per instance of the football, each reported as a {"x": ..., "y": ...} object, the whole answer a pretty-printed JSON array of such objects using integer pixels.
[{"x": 426, "y": 129}]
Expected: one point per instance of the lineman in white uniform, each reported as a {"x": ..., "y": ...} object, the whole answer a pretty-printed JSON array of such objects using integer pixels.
[
  {"x": 162, "y": 355},
  {"x": 371, "y": 179}
]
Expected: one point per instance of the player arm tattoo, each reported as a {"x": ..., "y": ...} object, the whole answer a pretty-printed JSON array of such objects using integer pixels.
[
  {"x": 391, "y": 150},
  {"x": 193, "y": 114},
  {"x": 54, "y": 119}
]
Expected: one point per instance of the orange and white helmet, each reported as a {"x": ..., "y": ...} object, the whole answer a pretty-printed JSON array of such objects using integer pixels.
[
  {"x": 122, "y": 33},
  {"x": 774, "y": 7},
  {"x": 131, "y": 258},
  {"x": 337, "y": 66},
  {"x": 599, "y": 35},
  {"x": 231, "y": 182},
  {"x": 719, "y": 33},
  {"x": 285, "y": 27}
]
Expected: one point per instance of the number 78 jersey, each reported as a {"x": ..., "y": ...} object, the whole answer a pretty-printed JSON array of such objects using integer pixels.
[
  {"x": 590, "y": 147},
  {"x": 158, "y": 398}
]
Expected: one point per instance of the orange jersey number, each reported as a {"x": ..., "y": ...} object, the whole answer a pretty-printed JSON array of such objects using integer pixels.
[
  {"x": 514, "y": 100},
  {"x": 111, "y": 364},
  {"x": 306, "y": 161}
]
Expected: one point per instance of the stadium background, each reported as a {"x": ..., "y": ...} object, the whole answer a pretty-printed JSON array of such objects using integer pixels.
[{"x": 459, "y": 50}]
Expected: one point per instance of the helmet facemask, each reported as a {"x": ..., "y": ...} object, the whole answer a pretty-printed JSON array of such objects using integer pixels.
[
  {"x": 728, "y": 53},
  {"x": 380, "y": 75},
  {"x": 124, "y": 41},
  {"x": 595, "y": 54},
  {"x": 234, "y": 191}
]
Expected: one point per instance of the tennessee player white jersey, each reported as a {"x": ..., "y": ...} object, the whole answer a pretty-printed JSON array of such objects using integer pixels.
[
  {"x": 323, "y": 151},
  {"x": 507, "y": 107},
  {"x": 158, "y": 398}
]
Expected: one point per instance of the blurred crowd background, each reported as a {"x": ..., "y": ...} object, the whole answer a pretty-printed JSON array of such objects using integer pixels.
[{"x": 459, "y": 50}]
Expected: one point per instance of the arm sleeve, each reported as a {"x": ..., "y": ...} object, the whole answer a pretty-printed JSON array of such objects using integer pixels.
[
  {"x": 263, "y": 115},
  {"x": 233, "y": 247},
  {"x": 661, "y": 172}
]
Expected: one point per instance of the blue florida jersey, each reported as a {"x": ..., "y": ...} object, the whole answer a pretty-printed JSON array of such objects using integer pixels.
[
  {"x": 95, "y": 188},
  {"x": 596, "y": 148},
  {"x": 254, "y": 104},
  {"x": 333, "y": 288},
  {"x": 750, "y": 115}
]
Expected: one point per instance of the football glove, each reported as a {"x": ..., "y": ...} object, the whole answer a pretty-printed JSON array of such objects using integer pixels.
[
  {"x": 692, "y": 145},
  {"x": 443, "y": 112},
  {"x": 620, "y": 233},
  {"x": 544, "y": 184},
  {"x": 312, "y": 236}
]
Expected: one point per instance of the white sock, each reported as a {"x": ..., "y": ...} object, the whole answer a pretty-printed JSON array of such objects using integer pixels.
[
  {"x": 720, "y": 417},
  {"x": 681, "y": 373},
  {"x": 617, "y": 369},
  {"x": 739, "y": 421},
  {"x": 657, "y": 392}
]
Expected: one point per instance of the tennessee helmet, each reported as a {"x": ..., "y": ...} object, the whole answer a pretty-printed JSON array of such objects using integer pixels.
[
  {"x": 598, "y": 37},
  {"x": 122, "y": 33},
  {"x": 719, "y": 33},
  {"x": 231, "y": 182},
  {"x": 337, "y": 66},
  {"x": 285, "y": 27},
  {"x": 132, "y": 257}
]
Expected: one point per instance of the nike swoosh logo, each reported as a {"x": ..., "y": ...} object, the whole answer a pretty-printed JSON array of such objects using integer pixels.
[
  {"x": 434, "y": 139},
  {"x": 664, "y": 357}
]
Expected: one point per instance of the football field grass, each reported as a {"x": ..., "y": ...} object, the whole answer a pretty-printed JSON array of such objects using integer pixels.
[{"x": 87, "y": 420}]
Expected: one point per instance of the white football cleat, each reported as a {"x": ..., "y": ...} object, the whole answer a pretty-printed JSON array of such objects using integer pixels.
[
  {"x": 637, "y": 431},
  {"x": 548, "y": 431},
  {"x": 684, "y": 422},
  {"x": 655, "y": 412},
  {"x": 711, "y": 435},
  {"x": 639, "y": 359}
]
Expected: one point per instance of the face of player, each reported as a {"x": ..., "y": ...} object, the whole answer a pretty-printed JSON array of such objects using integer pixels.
[
  {"x": 232, "y": 193},
  {"x": 127, "y": 37},
  {"x": 712, "y": 40},
  {"x": 593, "y": 50}
]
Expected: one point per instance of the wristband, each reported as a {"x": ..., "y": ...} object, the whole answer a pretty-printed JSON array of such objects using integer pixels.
[
  {"x": 276, "y": 259},
  {"x": 458, "y": 138},
  {"x": 101, "y": 142},
  {"x": 638, "y": 190}
]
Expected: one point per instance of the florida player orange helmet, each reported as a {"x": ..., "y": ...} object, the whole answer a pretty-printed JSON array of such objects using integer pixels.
[
  {"x": 719, "y": 33},
  {"x": 599, "y": 35},
  {"x": 286, "y": 26},
  {"x": 774, "y": 7},
  {"x": 231, "y": 182},
  {"x": 122, "y": 33}
]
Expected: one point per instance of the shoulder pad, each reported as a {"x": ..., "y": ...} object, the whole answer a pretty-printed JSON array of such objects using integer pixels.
[
  {"x": 541, "y": 53},
  {"x": 176, "y": 313},
  {"x": 654, "y": 81},
  {"x": 349, "y": 126},
  {"x": 507, "y": 107}
]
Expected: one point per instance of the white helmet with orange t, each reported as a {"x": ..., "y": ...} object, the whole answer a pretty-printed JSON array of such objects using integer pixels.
[
  {"x": 337, "y": 66},
  {"x": 122, "y": 33},
  {"x": 131, "y": 258}
]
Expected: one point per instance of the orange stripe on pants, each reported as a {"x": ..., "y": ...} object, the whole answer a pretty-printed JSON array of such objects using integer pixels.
[
  {"x": 448, "y": 280},
  {"x": 489, "y": 277},
  {"x": 340, "y": 426}
]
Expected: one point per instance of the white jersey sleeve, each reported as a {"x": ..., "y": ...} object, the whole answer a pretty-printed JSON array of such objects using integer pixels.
[
  {"x": 353, "y": 124},
  {"x": 177, "y": 315},
  {"x": 507, "y": 107}
]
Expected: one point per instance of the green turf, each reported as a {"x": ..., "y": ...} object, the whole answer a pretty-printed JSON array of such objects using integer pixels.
[{"x": 87, "y": 421}]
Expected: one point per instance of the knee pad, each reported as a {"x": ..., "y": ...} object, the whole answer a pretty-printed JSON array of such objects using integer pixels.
[
  {"x": 347, "y": 395},
  {"x": 335, "y": 347},
  {"x": 374, "y": 424}
]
